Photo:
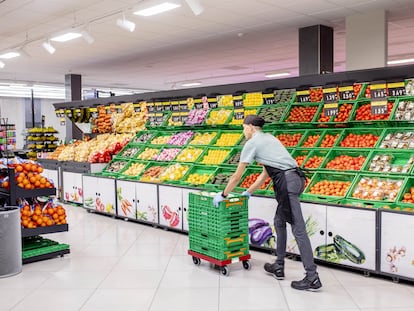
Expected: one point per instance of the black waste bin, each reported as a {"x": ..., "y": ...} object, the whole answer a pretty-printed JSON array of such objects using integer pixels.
[{"x": 10, "y": 241}]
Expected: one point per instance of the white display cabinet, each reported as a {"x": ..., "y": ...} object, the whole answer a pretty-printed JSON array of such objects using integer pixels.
[
  {"x": 99, "y": 194},
  {"x": 397, "y": 247},
  {"x": 72, "y": 187}
]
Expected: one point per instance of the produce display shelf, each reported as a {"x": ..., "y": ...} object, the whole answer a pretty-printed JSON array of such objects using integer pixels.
[{"x": 48, "y": 253}]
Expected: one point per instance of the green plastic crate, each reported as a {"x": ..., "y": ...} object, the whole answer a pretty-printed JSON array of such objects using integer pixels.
[
  {"x": 404, "y": 111},
  {"x": 144, "y": 137},
  {"x": 376, "y": 187},
  {"x": 44, "y": 250},
  {"x": 190, "y": 154},
  {"x": 249, "y": 172},
  {"x": 290, "y": 138},
  {"x": 145, "y": 152},
  {"x": 226, "y": 133},
  {"x": 213, "y": 160},
  {"x": 375, "y": 131},
  {"x": 195, "y": 141},
  {"x": 327, "y": 140},
  {"x": 302, "y": 153},
  {"x": 123, "y": 175},
  {"x": 221, "y": 178},
  {"x": 321, "y": 176},
  {"x": 305, "y": 124},
  {"x": 230, "y": 205},
  {"x": 406, "y": 190},
  {"x": 312, "y": 155},
  {"x": 168, "y": 150},
  {"x": 397, "y": 138},
  {"x": 200, "y": 170},
  {"x": 334, "y": 153},
  {"x": 372, "y": 122},
  {"x": 390, "y": 162},
  {"x": 311, "y": 139},
  {"x": 272, "y": 114},
  {"x": 334, "y": 121},
  {"x": 129, "y": 151},
  {"x": 161, "y": 138},
  {"x": 218, "y": 254},
  {"x": 211, "y": 121},
  {"x": 223, "y": 243},
  {"x": 115, "y": 167}
]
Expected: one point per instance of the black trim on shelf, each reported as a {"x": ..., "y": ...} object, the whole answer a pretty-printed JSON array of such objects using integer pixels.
[
  {"x": 46, "y": 256},
  {"x": 26, "y": 232}
]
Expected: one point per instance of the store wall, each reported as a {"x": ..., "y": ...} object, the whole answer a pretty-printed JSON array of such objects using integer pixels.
[{"x": 14, "y": 109}]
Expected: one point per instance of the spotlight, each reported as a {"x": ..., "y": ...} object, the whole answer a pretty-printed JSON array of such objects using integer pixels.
[
  {"x": 88, "y": 37},
  {"x": 48, "y": 47},
  {"x": 2, "y": 65},
  {"x": 195, "y": 6},
  {"x": 125, "y": 24}
]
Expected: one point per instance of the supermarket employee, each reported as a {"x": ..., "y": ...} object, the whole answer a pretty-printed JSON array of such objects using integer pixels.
[{"x": 289, "y": 181}]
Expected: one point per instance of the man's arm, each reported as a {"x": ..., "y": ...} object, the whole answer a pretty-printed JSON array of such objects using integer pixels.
[{"x": 235, "y": 178}]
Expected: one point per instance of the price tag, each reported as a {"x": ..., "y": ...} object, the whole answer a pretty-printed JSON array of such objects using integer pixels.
[
  {"x": 184, "y": 117},
  {"x": 269, "y": 99},
  {"x": 151, "y": 119},
  {"x": 62, "y": 121},
  {"x": 238, "y": 102},
  {"x": 159, "y": 107},
  {"x": 238, "y": 115},
  {"x": 183, "y": 105},
  {"x": 330, "y": 110},
  {"x": 108, "y": 109},
  {"x": 379, "y": 107},
  {"x": 378, "y": 91},
  {"x": 137, "y": 107},
  {"x": 151, "y": 108},
  {"x": 78, "y": 113},
  {"x": 303, "y": 96},
  {"x": 159, "y": 119},
  {"x": 176, "y": 118},
  {"x": 330, "y": 95},
  {"x": 212, "y": 103},
  {"x": 346, "y": 92},
  {"x": 68, "y": 113},
  {"x": 166, "y": 106},
  {"x": 198, "y": 104},
  {"x": 396, "y": 88}
]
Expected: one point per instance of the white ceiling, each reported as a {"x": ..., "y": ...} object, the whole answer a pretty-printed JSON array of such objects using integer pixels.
[{"x": 231, "y": 41}]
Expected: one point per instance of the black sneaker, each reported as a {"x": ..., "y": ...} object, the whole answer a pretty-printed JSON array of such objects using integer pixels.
[
  {"x": 311, "y": 284},
  {"x": 276, "y": 270}
]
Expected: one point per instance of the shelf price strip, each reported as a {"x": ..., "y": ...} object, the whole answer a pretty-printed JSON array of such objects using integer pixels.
[
  {"x": 330, "y": 98},
  {"x": 212, "y": 103},
  {"x": 238, "y": 114},
  {"x": 269, "y": 99},
  {"x": 379, "y": 99},
  {"x": 237, "y": 102},
  {"x": 396, "y": 88}
]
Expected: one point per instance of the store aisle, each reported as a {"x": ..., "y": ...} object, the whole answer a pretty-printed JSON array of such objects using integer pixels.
[{"x": 119, "y": 265}]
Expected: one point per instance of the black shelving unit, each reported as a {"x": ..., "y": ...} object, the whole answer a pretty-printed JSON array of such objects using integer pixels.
[{"x": 11, "y": 197}]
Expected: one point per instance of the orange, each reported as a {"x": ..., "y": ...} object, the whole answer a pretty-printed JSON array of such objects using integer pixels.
[
  {"x": 19, "y": 168},
  {"x": 40, "y": 169}
]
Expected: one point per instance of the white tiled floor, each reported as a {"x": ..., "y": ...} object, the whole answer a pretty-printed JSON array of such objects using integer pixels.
[{"x": 119, "y": 265}]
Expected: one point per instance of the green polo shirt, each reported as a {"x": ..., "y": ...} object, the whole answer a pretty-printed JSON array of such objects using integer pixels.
[{"x": 267, "y": 150}]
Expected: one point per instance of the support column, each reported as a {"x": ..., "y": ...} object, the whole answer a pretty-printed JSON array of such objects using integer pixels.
[
  {"x": 366, "y": 41},
  {"x": 73, "y": 87},
  {"x": 315, "y": 50}
]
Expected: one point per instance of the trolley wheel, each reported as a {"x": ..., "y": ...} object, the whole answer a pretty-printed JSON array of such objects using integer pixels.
[
  {"x": 196, "y": 261},
  {"x": 225, "y": 271},
  {"x": 247, "y": 265}
]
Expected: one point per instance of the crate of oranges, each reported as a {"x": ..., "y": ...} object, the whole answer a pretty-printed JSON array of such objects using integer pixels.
[
  {"x": 328, "y": 186},
  {"x": 34, "y": 216},
  {"x": 28, "y": 175}
]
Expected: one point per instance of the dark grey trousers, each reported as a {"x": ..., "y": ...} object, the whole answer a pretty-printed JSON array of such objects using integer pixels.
[{"x": 295, "y": 186}]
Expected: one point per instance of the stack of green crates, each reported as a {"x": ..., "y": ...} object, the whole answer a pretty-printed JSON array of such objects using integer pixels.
[{"x": 218, "y": 232}]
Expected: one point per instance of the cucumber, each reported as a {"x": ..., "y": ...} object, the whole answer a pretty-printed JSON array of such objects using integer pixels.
[{"x": 348, "y": 250}]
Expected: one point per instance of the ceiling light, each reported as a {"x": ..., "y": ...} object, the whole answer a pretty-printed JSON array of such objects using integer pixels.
[
  {"x": 9, "y": 55},
  {"x": 157, "y": 9},
  {"x": 125, "y": 24},
  {"x": 276, "y": 75},
  {"x": 2, "y": 65},
  {"x": 400, "y": 61},
  {"x": 48, "y": 47},
  {"x": 195, "y": 6},
  {"x": 66, "y": 37},
  {"x": 191, "y": 84},
  {"x": 86, "y": 35}
]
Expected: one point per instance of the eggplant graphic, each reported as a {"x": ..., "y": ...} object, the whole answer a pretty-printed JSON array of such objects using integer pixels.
[
  {"x": 260, "y": 235},
  {"x": 255, "y": 223}
]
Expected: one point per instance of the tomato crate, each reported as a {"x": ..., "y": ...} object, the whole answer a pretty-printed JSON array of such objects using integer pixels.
[
  {"x": 249, "y": 176},
  {"x": 204, "y": 138},
  {"x": 329, "y": 186},
  {"x": 311, "y": 139},
  {"x": 376, "y": 187},
  {"x": 345, "y": 160},
  {"x": 315, "y": 159},
  {"x": 216, "y": 155},
  {"x": 404, "y": 111},
  {"x": 406, "y": 195},
  {"x": 199, "y": 175},
  {"x": 390, "y": 162},
  {"x": 397, "y": 138},
  {"x": 362, "y": 109},
  {"x": 302, "y": 115},
  {"x": 228, "y": 138},
  {"x": 329, "y": 138},
  {"x": 219, "y": 254},
  {"x": 359, "y": 138},
  {"x": 219, "y": 116},
  {"x": 290, "y": 138},
  {"x": 300, "y": 156},
  {"x": 218, "y": 242},
  {"x": 339, "y": 120},
  {"x": 272, "y": 114}
]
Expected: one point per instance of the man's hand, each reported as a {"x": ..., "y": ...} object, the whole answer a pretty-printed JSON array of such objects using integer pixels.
[
  {"x": 217, "y": 199},
  {"x": 246, "y": 194}
]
